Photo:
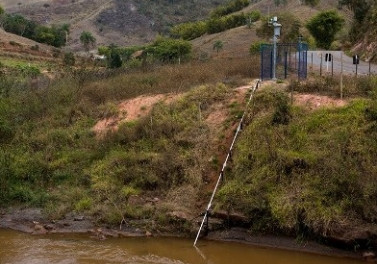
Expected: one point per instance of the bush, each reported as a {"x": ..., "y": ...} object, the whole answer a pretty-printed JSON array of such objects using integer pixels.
[
  {"x": 291, "y": 30},
  {"x": 283, "y": 169},
  {"x": 69, "y": 59},
  {"x": 324, "y": 27},
  {"x": 255, "y": 47},
  {"x": 231, "y": 7},
  {"x": 28, "y": 70},
  {"x": 169, "y": 50}
]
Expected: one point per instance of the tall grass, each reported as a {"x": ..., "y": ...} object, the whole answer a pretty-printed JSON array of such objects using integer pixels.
[
  {"x": 51, "y": 157},
  {"x": 312, "y": 174},
  {"x": 362, "y": 86}
]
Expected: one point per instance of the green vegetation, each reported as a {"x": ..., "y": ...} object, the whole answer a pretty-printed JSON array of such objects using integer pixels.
[
  {"x": 255, "y": 47},
  {"x": 192, "y": 30},
  {"x": 312, "y": 3},
  {"x": 87, "y": 40},
  {"x": 164, "y": 14},
  {"x": 169, "y": 50},
  {"x": 324, "y": 27},
  {"x": 218, "y": 45},
  {"x": 114, "y": 58},
  {"x": 17, "y": 24},
  {"x": 69, "y": 59},
  {"x": 51, "y": 157},
  {"x": 306, "y": 172},
  {"x": 364, "y": 27},
  {"x": 291, "y": 30},
  {"x": 231, "y": 7}
]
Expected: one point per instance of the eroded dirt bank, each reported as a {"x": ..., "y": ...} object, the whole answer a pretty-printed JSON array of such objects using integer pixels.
[{"x": 32, "y": 221}]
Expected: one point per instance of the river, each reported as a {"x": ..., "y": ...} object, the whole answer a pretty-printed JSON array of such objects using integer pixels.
[{"x": 22, "y": 248}]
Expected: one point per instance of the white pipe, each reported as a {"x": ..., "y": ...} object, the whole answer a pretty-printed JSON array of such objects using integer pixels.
[{"x": 224, "y": 164}]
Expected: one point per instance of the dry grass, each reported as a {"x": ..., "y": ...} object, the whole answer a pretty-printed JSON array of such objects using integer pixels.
[
  {"x": 236, "y": 42},
  {"x": 302, "y": 12},
  {"x": 171, "y": 79}
]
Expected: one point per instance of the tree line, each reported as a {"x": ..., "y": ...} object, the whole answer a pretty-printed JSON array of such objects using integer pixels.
[
  {"x": 166, "y": 50},
  {"x": 55, "y": 35},
  {"x": 192, "y": 30}
]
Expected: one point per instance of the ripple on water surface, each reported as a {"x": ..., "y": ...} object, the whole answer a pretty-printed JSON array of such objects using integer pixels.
[{"x": 71, "y": 249}]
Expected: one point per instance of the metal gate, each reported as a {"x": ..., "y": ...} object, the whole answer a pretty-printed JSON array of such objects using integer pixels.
[{"x": 291, "y": 60}]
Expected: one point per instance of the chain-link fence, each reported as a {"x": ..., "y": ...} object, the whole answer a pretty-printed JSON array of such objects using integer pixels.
[{"x": 291, "y": 60}]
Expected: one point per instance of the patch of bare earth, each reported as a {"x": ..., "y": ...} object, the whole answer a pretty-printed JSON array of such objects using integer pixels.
[
  {"x": 313, "y": 102},
  {"x": 131, "y": 110}
]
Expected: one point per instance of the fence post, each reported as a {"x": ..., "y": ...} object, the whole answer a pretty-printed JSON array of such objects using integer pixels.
[
  {"x": 261, "y": 59},
  {"x": 332, "y": 66},
  {"x": 320, "y": 67},
  {"x": 341, "y": 75},
  {"x": 285, "y": 64}
]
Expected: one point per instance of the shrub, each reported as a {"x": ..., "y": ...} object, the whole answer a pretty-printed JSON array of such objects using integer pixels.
[
  {"x": 69, "y": 59},
  {"x": 255, "y": 47},
  {"x": 169, "y": 50},
  {"x": 233, "y": 6},
  {"x": 324, "y": 27}
]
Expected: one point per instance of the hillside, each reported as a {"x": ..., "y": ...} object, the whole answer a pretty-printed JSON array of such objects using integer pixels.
[
  {"x": 113, "y": 21},
  {"x": 142, "y": 145},
  {"x": 14, "y": 44},
  {"x": 303, "y": 12},
  {"x": 236, "y": 42},
  {"x": 138, "y": 22}
]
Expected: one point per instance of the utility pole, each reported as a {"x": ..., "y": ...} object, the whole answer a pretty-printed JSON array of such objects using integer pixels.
[{"x": 277, "y": 29}]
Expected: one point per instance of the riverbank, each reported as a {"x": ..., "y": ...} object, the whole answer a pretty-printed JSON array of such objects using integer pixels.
[{"x": 33, "y": 222}]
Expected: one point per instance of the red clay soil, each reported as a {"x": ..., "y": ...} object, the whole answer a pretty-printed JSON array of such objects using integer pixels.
[
  {"x": 217, "y": 117},
  {"x": 313, "y": 102},
  {"x": 131, "y": 110}
]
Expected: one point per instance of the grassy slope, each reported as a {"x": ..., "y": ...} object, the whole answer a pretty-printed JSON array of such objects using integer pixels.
[
  {"x": 237, "y": 41},
  {"x": 308, "y": 173},
  {"x": 50, "y": 156}
]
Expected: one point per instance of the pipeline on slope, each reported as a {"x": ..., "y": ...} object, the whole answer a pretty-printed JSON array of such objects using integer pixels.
[{"x": 221, "y": 175}]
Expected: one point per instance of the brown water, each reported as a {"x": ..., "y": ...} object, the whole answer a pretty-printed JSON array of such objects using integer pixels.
[{"x": 66, "y": 249}]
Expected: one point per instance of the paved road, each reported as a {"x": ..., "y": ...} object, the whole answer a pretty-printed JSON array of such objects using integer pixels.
[{"x": 348, "y": 67}]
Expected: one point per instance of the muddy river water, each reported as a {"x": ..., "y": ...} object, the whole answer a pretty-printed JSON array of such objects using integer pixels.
[{"x": 22, "y": 248}]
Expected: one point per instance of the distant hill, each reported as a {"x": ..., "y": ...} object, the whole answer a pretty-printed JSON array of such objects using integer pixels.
[
  {"x": 131, "y": 22},
  {"x": 236, "y": 42},
  {"x": 122, "y": 22},
  {"x": 11, "y": 44}
]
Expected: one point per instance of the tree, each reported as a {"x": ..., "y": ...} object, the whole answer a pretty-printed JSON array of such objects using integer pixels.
[
  {"x": 359, "y": 7},
  {"x": 169, "y": 50},
  {"x": 2, "y": 17},
  {"x": 87, "y": 40},
  {"x": 290, "y": 31},
  {"x": 114, "y": 59},
  {"x": 324, "y": 27},
  {"x": 255, "y": 47},
  {"x": 218, "y": 45}
]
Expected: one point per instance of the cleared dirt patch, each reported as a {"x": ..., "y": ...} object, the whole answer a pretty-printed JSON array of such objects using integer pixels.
[
  {"x": 313, "y": 102},
  {"x": 132, "y": 109}
]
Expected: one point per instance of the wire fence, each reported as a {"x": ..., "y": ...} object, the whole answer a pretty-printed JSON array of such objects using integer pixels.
[{"x": 330, "y": 63}]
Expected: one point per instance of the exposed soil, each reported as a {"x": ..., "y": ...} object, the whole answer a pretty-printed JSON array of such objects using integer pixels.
[
  {"x": 244, "y": 236},
  {"x": 313, "y": 102},
  {"x": 32, "y": 221},
  {"x": 132, "y": 109}
]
